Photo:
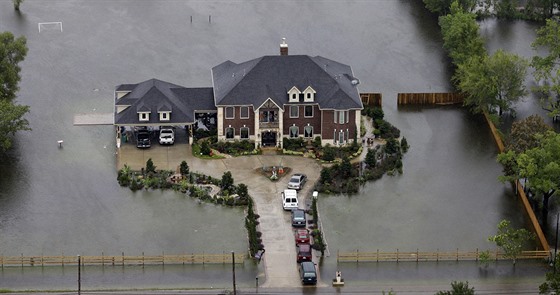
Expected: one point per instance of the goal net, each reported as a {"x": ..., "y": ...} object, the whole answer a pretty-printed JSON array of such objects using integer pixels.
[{"x": 50, "y": 26}]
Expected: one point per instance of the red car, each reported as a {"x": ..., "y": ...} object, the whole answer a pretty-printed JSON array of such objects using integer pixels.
[
  {"x": 302, "y": 236},
  {"x": 303, "y": 252}
]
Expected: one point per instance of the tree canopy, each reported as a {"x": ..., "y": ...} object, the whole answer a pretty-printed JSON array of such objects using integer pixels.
[
  {"x": 547, "y": 72},
  {"x": 12, "y": 52},
  {"x": 522, "y": 134},
  {"x": 492, "y": 82},
  {"x": 511, "y": 240},
  {"x": 458, "y": 288},
  {"x": 460, "y": 34},
  {"x": 442, "y": 7}
]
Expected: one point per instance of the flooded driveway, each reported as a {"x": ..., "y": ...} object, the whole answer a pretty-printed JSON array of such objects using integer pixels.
[{"x": 55, "y": 200}]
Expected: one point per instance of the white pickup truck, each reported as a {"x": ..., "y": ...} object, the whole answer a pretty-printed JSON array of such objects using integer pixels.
[{"x": 289, "y": 199}]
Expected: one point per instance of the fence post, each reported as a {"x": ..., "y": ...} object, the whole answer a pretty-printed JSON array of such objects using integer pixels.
[
  {"x": 476, "y": 255},
  {"x": 437, "y": 255},
  {"x": 496, "y": 254},
  {"x": 397, "y": 255},
  {"x": 416, "y": 255},
  {"x": 377, "y": 255},
  {"x": 162, "y": 257},
  {"x": 357, "y": 256},
  {"x": 142, "y": 258},
  {"x": 21, "y": 259},
  {"x": 122, "y": 258},
  {"x": 337, "y": 256},
  {"x": 457, "y": 256}
]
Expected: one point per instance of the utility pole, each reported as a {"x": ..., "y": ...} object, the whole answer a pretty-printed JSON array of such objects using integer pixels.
[
  {"x": 79, "y": 275},
  {"x": 555, "y": 244},
  {"x": 233, "y": 268}
]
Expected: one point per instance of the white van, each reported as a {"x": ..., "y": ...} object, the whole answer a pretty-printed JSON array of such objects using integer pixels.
[{"x": 289, "y": 199}]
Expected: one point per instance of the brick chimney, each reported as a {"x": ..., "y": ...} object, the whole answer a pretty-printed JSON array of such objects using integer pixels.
[{"x": 283, "y": 47}]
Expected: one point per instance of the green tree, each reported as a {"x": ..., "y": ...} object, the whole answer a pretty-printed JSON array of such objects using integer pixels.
[
  {"x": 458, "y": 288},
  {"x": 511, "y": 240},
  {"x": 346, "y": 168},
  {"x": 371, "y": 159},
  {"x": 184, "y": 168},
  {"x": 150, "y": 167},
  {"x": 541, "y": 167},
  {"x": 491, "y": 82},
  {"x": 12, "y": 52},
  {"x": 522, "y": 135},
  {"x": 442, "y": 7},
  {"x": 11, "y": 121},
  {"x": 460, "y": 35},
  {"x": 547, "y": 72},
  {"x": 242, "y": 190},
  {"x": 205, "y": 147},
  {"x": 404, "y": 145},
  {"x": 326, "y": 175},
  {"x": 227, "y": 181},
  {"x": 17, "y": 3},
  {"x": 552, "y": 280}
]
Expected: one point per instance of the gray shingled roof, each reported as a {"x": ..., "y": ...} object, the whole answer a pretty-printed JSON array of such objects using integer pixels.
[
  {"x": 153, "y": 95},
  {"x": 252, "y": 82}
]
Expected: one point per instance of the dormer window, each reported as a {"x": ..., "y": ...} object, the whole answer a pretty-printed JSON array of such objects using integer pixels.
[
  {"x": 293, "y": 94},
  {"x": 309, "y": 94},
  {"x": 143, "y": 116},
  {"x": 164, "y": 116}
]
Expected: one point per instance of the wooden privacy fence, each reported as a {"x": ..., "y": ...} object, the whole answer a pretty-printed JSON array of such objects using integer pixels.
[
  {"x": 122, "y": 260},
  {"x": 357, "y": 256},
  {"x": 371, "y": 99},
  {"x": 429, "y": 98}
]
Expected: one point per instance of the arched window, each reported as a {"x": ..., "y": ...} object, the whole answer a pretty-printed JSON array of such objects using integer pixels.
[
  {"x": 230, "y": 133},
  {"x": 308, "y": 131},
  {"x": 244, "y": 132},
  {"x": 294, "y": 131}
]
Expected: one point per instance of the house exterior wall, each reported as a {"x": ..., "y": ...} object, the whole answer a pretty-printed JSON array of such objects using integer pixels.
[
  {"x": 236, "y": 123},
  {"x": 350, "y": 128},
  {"x": 301, "y": 121}
]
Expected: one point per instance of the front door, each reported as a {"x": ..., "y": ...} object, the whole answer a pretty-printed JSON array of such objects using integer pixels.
[{"x": 268, "y": 138}]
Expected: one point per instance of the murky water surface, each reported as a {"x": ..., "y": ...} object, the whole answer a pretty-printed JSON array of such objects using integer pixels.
[{"x": 67, "y": 200}]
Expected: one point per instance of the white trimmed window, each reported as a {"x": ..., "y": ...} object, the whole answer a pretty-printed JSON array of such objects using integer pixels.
[
  {"x": 309, "y": 94},
  {"x": 230, "y": 133},
  {"x": 341, "y": 118},
  {"x": 335, "y": 117},
  {"x": 293, "y": 94},
  {"x": 294, "y": 131},
  {"x": 341, "y": 137},
  {"x": 230, "y": 113},
  {"x": 308, "y": 131},
  {"x": 347, "y": 116},
  {"x": 144, "y": 116},
  {"x": 308, "y": 111},
  {"x": 164, "y": 116},
  {"x": 294, "y": 111},
  {"x": 244, "y": 113},
  {"x": 244, "y": 132}
]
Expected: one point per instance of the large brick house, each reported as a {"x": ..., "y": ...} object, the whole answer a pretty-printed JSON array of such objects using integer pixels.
[{"x": 265, "y": 100}]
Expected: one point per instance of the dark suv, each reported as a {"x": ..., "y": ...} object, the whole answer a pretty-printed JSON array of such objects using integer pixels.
[
  {"x": 298, "y": 218},
  {"x": 143, "y": 139}
]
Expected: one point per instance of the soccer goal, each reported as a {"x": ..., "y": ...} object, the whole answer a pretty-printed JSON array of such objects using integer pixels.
[{"x": 50, "y": 26}]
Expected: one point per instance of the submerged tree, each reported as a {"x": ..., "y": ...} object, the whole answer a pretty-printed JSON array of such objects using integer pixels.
[
  {"x": 17, "y": 3},
  {"x": 523, "y": 133},
  {"x": 547, "y": 72},
  {"x": 12, "y": 52},
  {"x": 458, "y": 288},
  {"x": 511, "y": 240},
  {"x": 491, "y": 82}
]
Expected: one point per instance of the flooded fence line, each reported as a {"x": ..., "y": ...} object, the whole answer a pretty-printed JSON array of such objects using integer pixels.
[
  {"x": 122, "y": 260},
  {"x": 520, "y": 191},
  {"x": 371, "y": 99},
  {"x": 429, "y": 98},
  {"x": 421, "y": 256}
]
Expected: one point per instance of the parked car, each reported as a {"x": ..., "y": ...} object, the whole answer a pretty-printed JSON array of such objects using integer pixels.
[
  {"x": 143, "y": 138},
  {"x": 289, "y": 199},
  {"x": 297, "y": 181},
  {"x": 302, "y": 236},
  {"x": 308, "y": 273},
  {"x": 166, "y": 135},
  {"x": 298, "y": 218},
  {"x": 303, "y": 252}
]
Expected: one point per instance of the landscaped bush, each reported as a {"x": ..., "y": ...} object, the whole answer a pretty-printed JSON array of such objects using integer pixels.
[
  {"x": 294, "y": 144},
  {"x": 235, "y": 148},
  {"x": 386, "y": 129}
]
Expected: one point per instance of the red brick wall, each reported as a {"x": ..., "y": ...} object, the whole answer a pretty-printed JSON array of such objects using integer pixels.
[
  {"x": 237, "y": 122},
  {"x": 302, "y": 121}
]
